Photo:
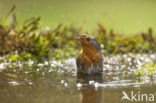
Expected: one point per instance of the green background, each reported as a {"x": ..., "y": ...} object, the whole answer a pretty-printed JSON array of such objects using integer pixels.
[{"x": 124, "y": 16}]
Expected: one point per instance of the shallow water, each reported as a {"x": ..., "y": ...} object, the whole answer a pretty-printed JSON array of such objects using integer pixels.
[{"x": 57, "y": 82}]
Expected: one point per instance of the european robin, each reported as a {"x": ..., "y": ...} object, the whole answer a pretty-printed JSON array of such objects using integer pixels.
[{"x": 90, "y": 59}]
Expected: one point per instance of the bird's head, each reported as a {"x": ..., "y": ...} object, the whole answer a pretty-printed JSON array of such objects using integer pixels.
[{"x": 89, "y": 44}]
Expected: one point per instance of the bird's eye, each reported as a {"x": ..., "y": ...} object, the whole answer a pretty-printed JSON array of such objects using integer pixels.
[{"x": 88, "y": 39}]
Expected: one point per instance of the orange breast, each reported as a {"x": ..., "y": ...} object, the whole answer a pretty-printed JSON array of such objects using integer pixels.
[{"x": 89, "y": 59}]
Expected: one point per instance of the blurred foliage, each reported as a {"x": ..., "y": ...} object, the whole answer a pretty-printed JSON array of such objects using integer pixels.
[
  {"x": 115, "y": 43},
  {"x": 29, "y": 41},
  {"x": 147, "y": 69}
]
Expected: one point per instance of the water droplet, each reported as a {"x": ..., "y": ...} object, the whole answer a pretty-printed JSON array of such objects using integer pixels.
[
  {"x": 79, "y": 85},
  {"x": 96, "y": 84},
  {"x": 65, "y": 84},
  {"x": 30, "y": 83},
  {"x": 91, "y": 82},
  {"x": 62, "y": 81},
  {"x": 14, "y": 83}
]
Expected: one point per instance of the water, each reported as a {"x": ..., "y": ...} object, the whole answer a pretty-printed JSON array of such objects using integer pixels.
[
  {"x": 57, "y": 82},
  {"x": 124, "y": 16}
]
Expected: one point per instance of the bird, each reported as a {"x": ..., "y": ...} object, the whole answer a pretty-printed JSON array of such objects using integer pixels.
[{"x": 90, "y": 59}]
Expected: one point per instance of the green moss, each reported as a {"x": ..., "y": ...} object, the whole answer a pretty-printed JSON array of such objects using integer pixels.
[
  {"x": 147, "y": 69},
  {"x": 13, "y": 57},
  {"x": 58, "y": 43}
]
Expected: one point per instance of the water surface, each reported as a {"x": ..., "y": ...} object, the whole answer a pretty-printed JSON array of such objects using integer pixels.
[{"x": 57, "y": 82}]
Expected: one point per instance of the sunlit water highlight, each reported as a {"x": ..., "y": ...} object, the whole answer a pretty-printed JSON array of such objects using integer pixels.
[{"x": 57, "y": 81}]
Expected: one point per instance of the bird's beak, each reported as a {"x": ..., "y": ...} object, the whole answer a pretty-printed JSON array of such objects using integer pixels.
[{"x": 78, "y": 38}]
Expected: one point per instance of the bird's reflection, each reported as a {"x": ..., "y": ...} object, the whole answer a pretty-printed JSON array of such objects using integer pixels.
[{"x": 88, "y": 93}]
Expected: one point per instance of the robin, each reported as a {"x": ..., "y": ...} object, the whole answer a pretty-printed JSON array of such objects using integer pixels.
[{"x": 90, "y": 59}]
